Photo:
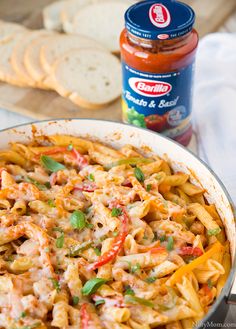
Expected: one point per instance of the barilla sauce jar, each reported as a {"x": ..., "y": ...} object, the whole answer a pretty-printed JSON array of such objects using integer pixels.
[{"x": 158, "y": 47}]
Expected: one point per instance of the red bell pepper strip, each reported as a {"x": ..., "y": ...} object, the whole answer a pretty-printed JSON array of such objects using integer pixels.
[
  {"x": 80, "y": 159},
  {"x": 86, "y": 187},
  {"x": 84, "y": 316},
  {"x": 118, "y": 242},
  {"x": 190, "y": 251},
  {"x": 157, "y": 250}
]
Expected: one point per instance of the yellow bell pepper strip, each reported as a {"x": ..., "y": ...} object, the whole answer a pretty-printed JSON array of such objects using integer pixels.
[{"x": 183, "y": 270}]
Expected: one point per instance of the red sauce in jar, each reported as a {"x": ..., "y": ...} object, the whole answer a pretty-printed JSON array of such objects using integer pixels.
[{"x": 158, "y": 48}]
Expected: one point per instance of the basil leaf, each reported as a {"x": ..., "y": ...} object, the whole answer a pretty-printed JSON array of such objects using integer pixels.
[
  {"x": 23, "y": 314},
  {"x": 170, "y": 243},
  {"x": 91, "y": 177},
  {"x": 214, "y": 231},
  {"x": 75, "y": 300},
  {"x": 60, "y": 241},
  {"x": 136, "y": 300},
  {"x": 77, "y": 220},
  {"x": 139, "y": 174},
  {"x": 50, "y": 164},
  {"x": 41, "y": 187},
  {"x": 116, "y": 212},
  {"x": 92, "y": 285},
  {"x": 56, "y": 284},
  {"x": 99, "y": 302}
]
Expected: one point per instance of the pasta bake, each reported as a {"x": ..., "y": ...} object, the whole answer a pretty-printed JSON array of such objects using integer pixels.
[{"x": 95, "y": 237}]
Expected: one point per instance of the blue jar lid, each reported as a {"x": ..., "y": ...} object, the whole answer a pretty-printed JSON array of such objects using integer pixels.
[{"x": 164, "y": 19}]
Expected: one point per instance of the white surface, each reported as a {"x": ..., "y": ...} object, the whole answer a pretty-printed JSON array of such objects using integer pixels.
[{"x": 215, "y": 105}]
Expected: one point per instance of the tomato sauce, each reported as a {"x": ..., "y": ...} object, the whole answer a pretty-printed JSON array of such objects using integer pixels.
[{"x": 158, "y": 47}]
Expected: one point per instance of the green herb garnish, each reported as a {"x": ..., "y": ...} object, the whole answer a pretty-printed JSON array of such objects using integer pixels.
[
  {"x": 77, "y": 220},
  {"x": 170, "y": 243},
  {"x": 116, "y": 212},
  {"x": 151, "y": 279},
  {"x": 99, "y": 302},
  {"x": 91, "y": 177},
  {"x": 40, "y": 186},
  {"x": 214, "y": 231},
  {"x": 129, "y": 291},
  {"x": 115, "y": 233},
  {"x": 162, "y": 238},
  {"x": 51, "y": 203},
  {"x": 75, "y": 300},
  {"x": 92, "y": 285},
  {"x": 50, "y": 164},
  {"x": 139, "y": 174},
  {"x": 70, "y": 147},
  {"x": 128, "y": 161},
  {"x": 60, "y": 241},
  {"x": 148, "y": 187},
  {"x": 55, "y": 284},
  {"x": 23, "y": 314},
  {"x": 136, "y": 300},
  {"x": 135, "y": 268},
  {"x": 57, "y": 229},
  {"x": 97, "y": 251},
  {"x": 209, "y": 284}
]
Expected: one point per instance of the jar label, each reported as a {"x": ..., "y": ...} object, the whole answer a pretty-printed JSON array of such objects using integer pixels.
[{"x": 160, "y": 102}]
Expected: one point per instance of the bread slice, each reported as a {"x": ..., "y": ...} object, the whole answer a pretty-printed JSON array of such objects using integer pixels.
[
  {"x": 18, "y": 53},
  {"x": 7, "y": 72},
  {"x": 60, "y": 45},
  {"x": 7, "y": 30},
  {"x": 89, "y": 77},
  {"x": 52, "y": 15},
  {"x": 32, "y": 58},
  {"x": 70, "y": 8},
  {"x": 104, "y": 21}
]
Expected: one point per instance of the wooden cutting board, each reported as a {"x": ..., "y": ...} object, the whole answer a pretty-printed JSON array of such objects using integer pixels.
[{"x": 40, "y": 104}]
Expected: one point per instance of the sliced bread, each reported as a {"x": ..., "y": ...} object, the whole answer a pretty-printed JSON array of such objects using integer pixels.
[
  {"x": 7, "y": 73},
  {"x": 52, "y": 15},
  {"x": 90, "y": 77},
  {"x": 32, "y": 58},
  {"x": 7, "y": 30},
  {"x": 60, "y": 45},
  {"x": 17, "y": 58},
  {"x": 70, "y": 8},
  {"x": 103, "y": 21}
]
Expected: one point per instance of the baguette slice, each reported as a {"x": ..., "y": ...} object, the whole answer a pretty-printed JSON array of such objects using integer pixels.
[
  {"x": 52, "y": 15},
  {"x": 17, "y": 58},
  {"x": 32, "y": 58},
  {"x": 104, "y": 21},
  {"x": 7, "y": 72},
  {"x": 60, "y": 45},
  {"x": 89, "y": 77},
  {"x": 70, "y": 8},
  {"x": 8, "y": 30}
]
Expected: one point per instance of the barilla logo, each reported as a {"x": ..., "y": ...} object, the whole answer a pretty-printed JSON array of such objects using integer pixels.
[
  {"x": 149, "y": 88},
  {"x": 159, "y": 15}
]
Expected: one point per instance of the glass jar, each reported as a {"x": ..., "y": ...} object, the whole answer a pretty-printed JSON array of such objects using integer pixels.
[{"x": 158, "y": 48}]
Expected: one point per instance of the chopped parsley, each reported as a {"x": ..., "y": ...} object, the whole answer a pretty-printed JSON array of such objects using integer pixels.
[
  {"x": 97, "y": 251},
  {"x": 23, "y": 314},
  {"x": 209, "y": 284},
  {"x": 70, "y": 147},
  {"x": 60, "y": 241},
  {"x": 162, "y": 238},
  {"x": 51, "y": 203},
  {"x": 135, "y": 268},
  {"x": 115, "y": 233}
]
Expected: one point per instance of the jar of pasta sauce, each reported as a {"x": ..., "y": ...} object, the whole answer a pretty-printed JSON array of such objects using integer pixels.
[{"x": 158, "y": 47}]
